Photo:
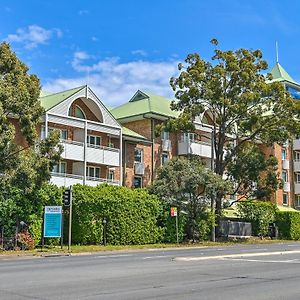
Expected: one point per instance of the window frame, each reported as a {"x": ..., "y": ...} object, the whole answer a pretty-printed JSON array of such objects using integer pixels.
[
  {"x": 141, "y": 182},
  {"x": 95, "y": 137},
  {"x": 285, "y": 199},
  {"x": 59, "y": 168},
  {"x": 163, "y": 161},
  {"x": 94, "y": 168},
  {"x": 141, "y": 155}
]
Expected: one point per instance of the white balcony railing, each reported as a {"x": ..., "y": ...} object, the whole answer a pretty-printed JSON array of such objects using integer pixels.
[
  {"x": 296, "y": 144},
  {"x": 285, "y": 164},
  {"x": 139, "y": 168},
  {"x": 286, "y": 187},
  {"x": 95, "y": 154},
  {"x": 166, "y": 145},
  {"x": 62, "y": 179},
  {"x": 103, "y": 155},
  {"x": 194, "y": 147},
  {"x": 297, "y": 188},
  {"x": 72, "y": 150},
  {"x": 296, "y": 165}
]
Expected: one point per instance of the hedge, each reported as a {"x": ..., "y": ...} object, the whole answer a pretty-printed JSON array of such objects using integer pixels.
[
  {"x": 259, "y": 213},
  {"x": 288, "y": 224},
  {"x": 131, "y": 215}
]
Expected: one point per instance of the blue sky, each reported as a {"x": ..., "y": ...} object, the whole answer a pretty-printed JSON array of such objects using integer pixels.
[{"x": 120, "y": 46}]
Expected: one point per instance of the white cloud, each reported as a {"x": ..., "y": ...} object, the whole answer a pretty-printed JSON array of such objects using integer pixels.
[
  {"x": 94, "y": 39},
  {"x": 115, "y": 82},
  {"x": 33, "y": 35},
  {"x": 139, "y": 52},
  {"x": 83, "y": 12}
]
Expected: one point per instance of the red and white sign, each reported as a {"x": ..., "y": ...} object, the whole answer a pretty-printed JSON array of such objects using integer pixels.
[{"x": 173, "y": 211}]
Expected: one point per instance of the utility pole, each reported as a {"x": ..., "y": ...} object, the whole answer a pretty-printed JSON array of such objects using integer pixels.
[{"x": 70, "y": 221}]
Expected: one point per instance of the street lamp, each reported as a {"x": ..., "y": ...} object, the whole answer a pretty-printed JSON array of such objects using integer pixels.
[{"x": 104, "y": 222}]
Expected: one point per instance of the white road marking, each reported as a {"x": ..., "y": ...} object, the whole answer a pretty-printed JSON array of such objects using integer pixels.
[
  {"x": 294, "y": 261},
  {"x": 112, "y": 256},
  {"x": 158, "y": 256},
  {"x": 239, "y": 255}
]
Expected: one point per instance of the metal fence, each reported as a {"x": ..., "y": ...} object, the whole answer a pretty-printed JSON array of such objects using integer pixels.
[{"x": 235, "y": 229}]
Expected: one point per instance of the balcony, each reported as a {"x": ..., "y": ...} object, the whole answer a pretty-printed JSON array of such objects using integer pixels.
[
  {"x": 103, "y": 155},
  {"x": 296, "y": 144},
  {"x": 194, "y": 147},
  {"x": 62, "y": 179},
  {"x": 93, "y": 181},
  {"x": 139, "y": 168},
  {"x": 297, "y": 188},
  {"x": 286, "y": 187},
  {"x": 72, "y": 150},
  {"x": 285, "y": 164},
  {"x": 297, "y": 166},
  {"x": 166, "y": 145}
]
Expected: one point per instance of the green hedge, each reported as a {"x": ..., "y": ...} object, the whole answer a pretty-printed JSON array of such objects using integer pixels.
[
  {"x": 259, "y": 213},
  {"x": 131, "y": 213},
  {"x": 288, "y": 224}
]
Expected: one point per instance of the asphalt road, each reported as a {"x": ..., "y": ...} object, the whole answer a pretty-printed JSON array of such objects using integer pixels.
[{"x": 237, "y": 272}]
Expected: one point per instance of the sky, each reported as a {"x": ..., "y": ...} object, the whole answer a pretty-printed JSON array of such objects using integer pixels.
[{"x": 118, "y": 46}]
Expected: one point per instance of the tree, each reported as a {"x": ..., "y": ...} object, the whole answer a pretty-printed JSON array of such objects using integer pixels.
[
  {"x": 255, "y": 174},
  {"x": 187, "y": 184},
  {"x": 245, "y": 105},
  {"x": 23, "y": 168}
]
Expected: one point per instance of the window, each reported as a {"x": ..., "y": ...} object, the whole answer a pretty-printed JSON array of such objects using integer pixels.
[
  {"x": 137, "y": 182},
  {"x": 62, "y": 132},
  {"x": 138, "y": 155},
  {"x": 111, "y": 175},
  {"x": 189, "y": 137},
  {"x": 93, "y": 172},
  {"x": 165, "y": 135},
  {"x": 79, "y": 113},
  {"x": 285, "y": 199},
  {"x": 283, "y": 154},
  {"x": 297, "y": 200},
  {"x": 285, "y": 176},
  {"x": 297, "y": 156},
  {"x": 297, "y": 175},
  {"x": 94, "y": 140},
  {"x": 164, "y": 157},
  {"x": 60, "y": 168}
]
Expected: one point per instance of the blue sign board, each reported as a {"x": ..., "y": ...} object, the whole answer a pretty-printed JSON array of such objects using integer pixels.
[{"x": 52, "y": 221}]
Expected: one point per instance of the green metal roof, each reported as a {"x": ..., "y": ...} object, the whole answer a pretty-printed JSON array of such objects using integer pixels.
[
  {"x": 52, "y": 100},
  {"x": 280, "y": 74},
  {"x": 131, "y": 133},
  {"x": 145, "y": 103}
]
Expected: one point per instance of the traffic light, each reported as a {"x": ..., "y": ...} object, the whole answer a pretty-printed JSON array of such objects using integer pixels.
[{"x": 67, "y": 197}]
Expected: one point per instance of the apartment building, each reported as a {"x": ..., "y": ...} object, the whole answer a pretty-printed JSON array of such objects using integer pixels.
[
  {"x": 90, "y": 135},
  {"x": 120, "y": 146}
]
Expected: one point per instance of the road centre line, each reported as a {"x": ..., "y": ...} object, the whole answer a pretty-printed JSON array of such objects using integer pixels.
[
  {"x": 290, "y": 261},
  {"x": 238, "y": 255}
]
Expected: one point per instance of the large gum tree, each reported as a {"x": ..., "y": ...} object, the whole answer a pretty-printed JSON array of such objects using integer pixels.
[{"x": 245, "y": 105}]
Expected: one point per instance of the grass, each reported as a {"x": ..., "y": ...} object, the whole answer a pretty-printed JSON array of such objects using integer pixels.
[{"x": 100, "y": 248}]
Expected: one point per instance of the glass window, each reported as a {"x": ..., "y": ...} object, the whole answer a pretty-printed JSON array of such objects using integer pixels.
[
  {"x": 111, "y": 175},
  {"x": 94, "y": 140},
  {"x": 285, "y": 176},
  {"x": 137, "y": 182},
  {"x": 79, "y": 113},
  {"x": 138, "y": 155},
  {"x": 298, "y": 200},
  {"x": 164, "y": 157},
  {"x": 285, "y": 199},
  {"x": 165, "y": 135},
  {"x": 297, "y": 156},
  {"x": 63, "y": 134},
  {"x": 93, "y": 172},
  {"x": 297, "y": 177},
  {"x": 189, "y": 137},
  {"x": 60, "y": 168},
  {"x": 283, "y": 154}
]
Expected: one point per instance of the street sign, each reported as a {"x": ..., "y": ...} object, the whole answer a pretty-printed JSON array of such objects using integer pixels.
[
  {"x": 52, "y": 221},
  {"x": 173, "y": 211}
]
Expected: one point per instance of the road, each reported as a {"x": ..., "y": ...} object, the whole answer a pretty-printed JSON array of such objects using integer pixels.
[{"x": 236, "y": 272}]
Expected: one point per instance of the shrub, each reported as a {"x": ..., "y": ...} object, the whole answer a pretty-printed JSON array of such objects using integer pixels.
[
  {"x": 131, "y": 215},
  {"x": 288, "y": 224},
  {"x": 259, "y": 213}
]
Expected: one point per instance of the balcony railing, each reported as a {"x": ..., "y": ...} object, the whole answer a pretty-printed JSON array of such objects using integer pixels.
[
  {"x": 63, "y": 179},
  {"x": 74, "y": 150},
  {"x": 285, "y": 164},
  {"x": 202, "y": 149},
  {"x": 297, "y": 166},
  {"x": 139, "y": 168},
  {"x": 286, "y": 187}
]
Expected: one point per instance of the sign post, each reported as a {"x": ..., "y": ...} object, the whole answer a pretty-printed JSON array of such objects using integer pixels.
[
  {"x": 52, "y": 221},
  {"x": 174, "y": 214}
]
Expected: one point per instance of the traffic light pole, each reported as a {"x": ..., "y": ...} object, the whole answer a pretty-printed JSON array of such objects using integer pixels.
[{"x": 70, "y": 221}]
